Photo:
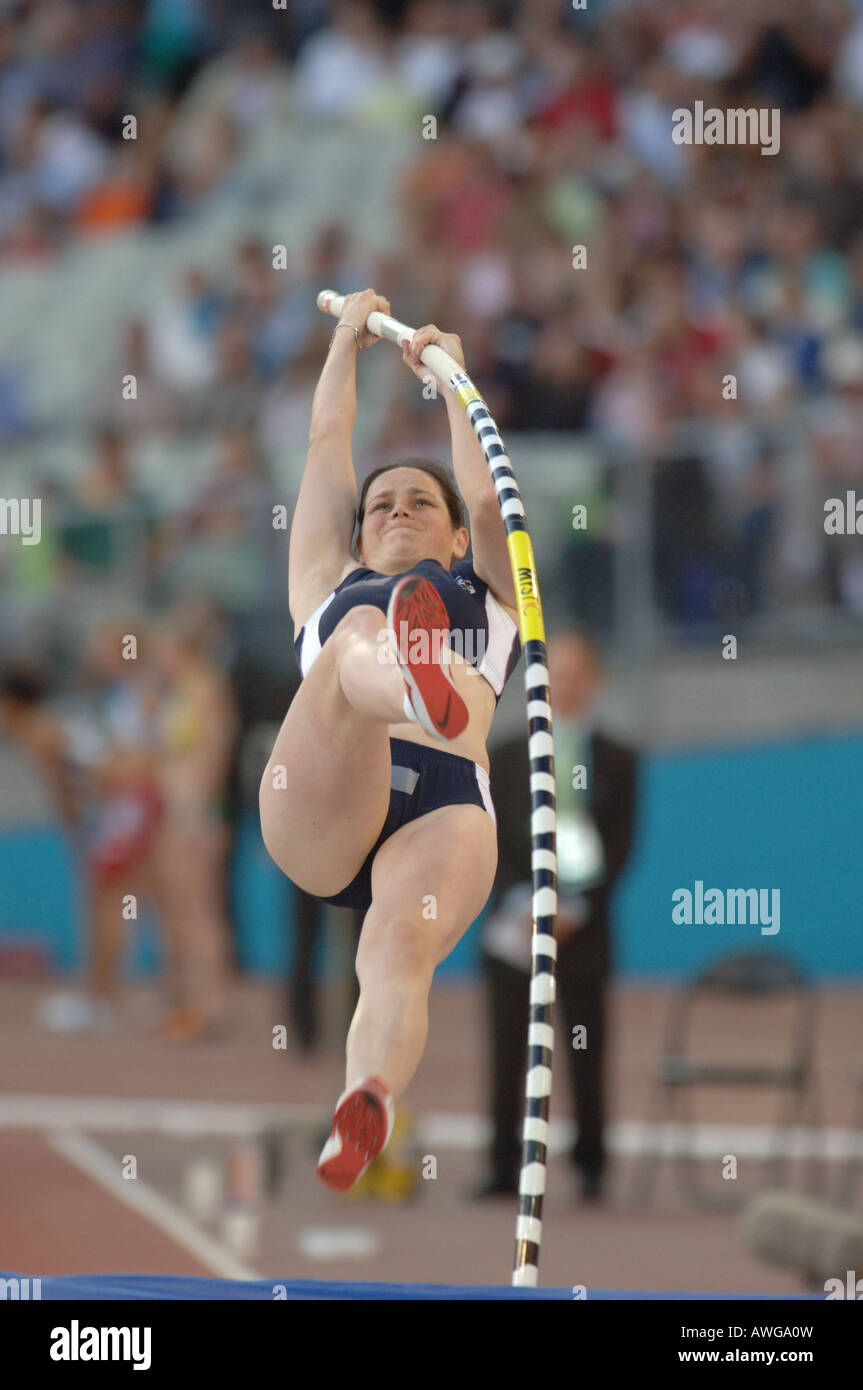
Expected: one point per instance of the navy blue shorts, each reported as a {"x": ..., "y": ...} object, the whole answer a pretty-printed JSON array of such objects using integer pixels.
[{"x": 422, "y": 780}]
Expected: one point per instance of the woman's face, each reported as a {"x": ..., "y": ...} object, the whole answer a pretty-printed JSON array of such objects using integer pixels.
[{"x": 407, "y": 520}]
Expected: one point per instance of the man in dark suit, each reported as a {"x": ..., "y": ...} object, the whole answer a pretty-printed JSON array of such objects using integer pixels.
[{"x": 596, "y": 800}]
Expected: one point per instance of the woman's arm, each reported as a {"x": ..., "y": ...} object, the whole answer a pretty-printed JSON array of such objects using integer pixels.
[
  {"x": 487, "y": 532},
  {"x": 326, "y": 503}
]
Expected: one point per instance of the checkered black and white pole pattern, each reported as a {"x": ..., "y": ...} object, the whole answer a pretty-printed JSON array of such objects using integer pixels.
[{"x": 540, "y": 1039}]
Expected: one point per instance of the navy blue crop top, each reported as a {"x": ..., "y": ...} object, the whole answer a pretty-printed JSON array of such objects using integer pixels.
[{"x": 481, "y": 629}]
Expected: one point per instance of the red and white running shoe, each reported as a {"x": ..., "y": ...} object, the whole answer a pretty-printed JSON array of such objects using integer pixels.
[
  {"x": 362, "y": 1125},
  {"x": 431, "y": 699}
]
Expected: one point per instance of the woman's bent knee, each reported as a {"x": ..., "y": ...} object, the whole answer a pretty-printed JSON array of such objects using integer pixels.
[{"x": 363, "y": 622}]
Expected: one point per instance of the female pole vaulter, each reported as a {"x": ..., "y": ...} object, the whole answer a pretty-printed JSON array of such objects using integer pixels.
[{"x": 376, "y": 795}]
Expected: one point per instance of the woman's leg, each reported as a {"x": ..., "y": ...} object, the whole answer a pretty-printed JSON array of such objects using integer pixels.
[
  {"x": 162, "y": 874},
  {"x": 206, "y": 933},
  {"x": 430, "y": 880},
  {"x": 326, "y": 789},
  {"x": 108, "y": 936},
  {"x": 166, "y": 877},
  {"x": 188, "y": 888}
]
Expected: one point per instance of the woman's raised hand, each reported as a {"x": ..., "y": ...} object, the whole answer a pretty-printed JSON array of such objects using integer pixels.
[
  {"x": 356, "y": 310},
  {"x": 413, "y": 350}
]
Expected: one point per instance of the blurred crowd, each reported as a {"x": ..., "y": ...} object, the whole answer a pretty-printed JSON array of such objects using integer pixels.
[
  {"x": 553, "y": 131},
  {"x": 138, "y": 759}
]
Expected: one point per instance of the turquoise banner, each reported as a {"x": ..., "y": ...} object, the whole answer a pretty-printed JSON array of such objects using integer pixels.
[{"x": 785, "y": 820}]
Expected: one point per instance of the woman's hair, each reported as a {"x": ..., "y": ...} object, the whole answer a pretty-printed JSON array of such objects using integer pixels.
[{"x": 442, "y": 476}]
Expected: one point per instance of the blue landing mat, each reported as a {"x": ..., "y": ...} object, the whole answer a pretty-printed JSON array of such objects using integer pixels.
[{"x": 112, "y": 1287}]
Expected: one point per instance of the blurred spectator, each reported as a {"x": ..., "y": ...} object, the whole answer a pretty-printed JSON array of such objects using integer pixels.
[
  {"x": 428, "y": 55},
  {"x": 65, "y": 755},
  {"x": 787, "y": 61},
  {"x": 107, "y": 520},
  {"x": 184, "y": 333},
  {"x": 285, "y": 413},
  {"x": 754, "y": 534},
  {"x": 124, "y": 821},
  {"x": 837, "y": 437},
  {"x": 247, "y": 84},
  {"x": 848, "y": 67},
  {"x": 686, "y": 554},
  {"x": 201, "y": 160},
  {"x": 553, "y": 393},
  {"x": 488, "y": 103},
  {"x": 15, "y": 422},
  {"x": 343, "y": 65},
  {"x": 231, "y": 98},
  {"x": 410, "y": 426},
  {"x": 100, "y": 772},
  {"x": 124, "y": 197},
  {"x": 174, "y": 35},
  {"x": 232, "y": 397},
  {"x": 271, "y": 306},
  {"x": 645, "y": 118},
  {"x": 226, "y": 547},
  {"x": 156, "y": 408},
  {"x": 62, "y": 157},
  {"x": 196, "y": 731}
]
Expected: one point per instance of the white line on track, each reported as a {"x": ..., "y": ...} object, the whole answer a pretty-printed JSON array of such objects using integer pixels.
[
  {"x": 103, "y": 1168},
  {"x": 180, "y": 1117},
  {"x": 447, "y": 1129},
  {"x": 632, "y": 1137}
]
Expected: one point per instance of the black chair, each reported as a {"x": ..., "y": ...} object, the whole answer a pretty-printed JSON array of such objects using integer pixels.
[{"x": 746, "y": 978}]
